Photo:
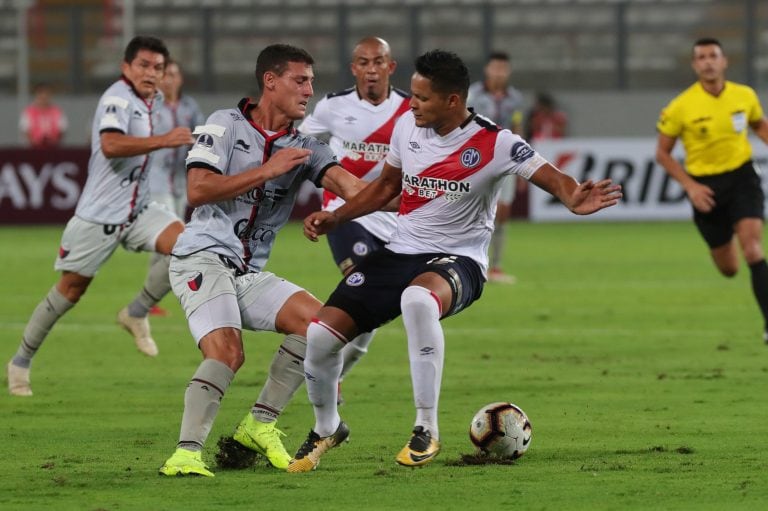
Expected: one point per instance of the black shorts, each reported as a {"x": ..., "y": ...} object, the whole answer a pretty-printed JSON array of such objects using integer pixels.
[
  {"x": 738, "y": 195},
  {"x": 371, "y": 294},
  {"x": 350, "y": 243}
]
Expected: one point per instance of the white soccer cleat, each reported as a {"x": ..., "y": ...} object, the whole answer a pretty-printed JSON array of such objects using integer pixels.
[
  {"x": 18, "y": 380},
  {"x": 139, "y": 328}
]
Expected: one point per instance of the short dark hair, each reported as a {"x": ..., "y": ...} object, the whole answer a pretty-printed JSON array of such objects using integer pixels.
[
  {"x": 276, "y": 57},
  {"x": 498, "y": 55},
  {"x": 446, "y": 71},
  {"x": 145, "y": 42},
  {"x": 706, "y": 41}
]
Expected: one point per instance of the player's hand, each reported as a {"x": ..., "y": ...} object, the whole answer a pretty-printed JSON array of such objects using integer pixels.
[
  {"x": 178, "y": 136},
  {"x": 590, "y": 197},
  {"x": 284, "y": 160},
  {"x": 318, "y": 223},
  {"x": 701, "y": 196}
]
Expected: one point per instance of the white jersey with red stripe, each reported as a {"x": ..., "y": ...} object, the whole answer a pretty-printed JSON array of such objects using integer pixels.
[
  {"x": 451, "y": 185},
  {"x": 360, "y": 133},
  {"x": 117, "y": 188}
]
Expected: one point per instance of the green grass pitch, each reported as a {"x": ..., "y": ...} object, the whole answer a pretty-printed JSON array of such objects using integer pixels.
[{"x": 642, "y": 370}]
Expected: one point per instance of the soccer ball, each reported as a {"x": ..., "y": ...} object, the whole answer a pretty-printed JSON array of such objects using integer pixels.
[{"x": 501, "y": 429}]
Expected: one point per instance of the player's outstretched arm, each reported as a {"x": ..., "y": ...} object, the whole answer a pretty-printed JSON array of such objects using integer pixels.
[
  {"x": 205, "y": 186},
  {"x": 581, "y": 198},
  {"x": 361, "y": 199}
]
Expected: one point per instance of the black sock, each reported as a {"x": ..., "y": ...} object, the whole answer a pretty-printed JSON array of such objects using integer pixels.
[{"x": 759, "y": 272}]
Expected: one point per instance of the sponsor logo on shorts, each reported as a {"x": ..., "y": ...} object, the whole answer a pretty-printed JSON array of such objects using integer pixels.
[
  {"x": 195, "y": 283},
  {"x": 63, "y": 252},
  {"x": 470, "y": 157},
  {"x": 360, "y": 248},
  {"x": 355, "y": 279}
]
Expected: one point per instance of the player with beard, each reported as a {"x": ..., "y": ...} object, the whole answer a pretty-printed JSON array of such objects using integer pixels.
[{"x": 360, "y": 121}]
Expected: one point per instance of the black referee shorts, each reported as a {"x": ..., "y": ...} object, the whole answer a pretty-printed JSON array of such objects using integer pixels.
[
  {"x": 738, "y": 194},
  {"x": 371, "y": 293}
]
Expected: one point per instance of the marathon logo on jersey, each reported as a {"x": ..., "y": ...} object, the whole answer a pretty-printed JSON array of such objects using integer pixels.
[
  {"x": 470, "y": 157},
  {"x": 431, "y": 187},
  {"x": 240, "y": 145},
  {"x": 195, "y": 283},
  {"x": 369, "y": 151},
  {"x": 521, "y": 152},
  {"x": 355, "y": 279}
]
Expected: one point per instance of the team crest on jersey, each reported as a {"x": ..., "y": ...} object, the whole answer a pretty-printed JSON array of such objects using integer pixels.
[
  {"x": 356, "y": 279},
  {"x": 360, "y": 248},
  {"x": 521, "y": 152},
  {"x": 470, "y": 157}
]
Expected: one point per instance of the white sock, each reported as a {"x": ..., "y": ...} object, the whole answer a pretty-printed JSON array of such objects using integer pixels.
[
  {"x": 322, "y": 368},
  {"x": 354, "y": 351},
  {"x": 426, "y": 349}
]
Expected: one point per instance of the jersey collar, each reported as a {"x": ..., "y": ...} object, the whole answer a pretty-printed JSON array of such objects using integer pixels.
[
  {"x": 246, "y": 105},
  {"x": 150, "y": 102}
]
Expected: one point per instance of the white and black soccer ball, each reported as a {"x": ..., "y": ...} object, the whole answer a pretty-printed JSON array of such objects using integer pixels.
[{"x": 501, "y": 429}]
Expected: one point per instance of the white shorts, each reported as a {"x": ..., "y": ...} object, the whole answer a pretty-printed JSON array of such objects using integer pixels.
[
  {"x": 508, "y": 188},
  {"x": 213, "y": 297},
  {"x": 86, "y": 246}
]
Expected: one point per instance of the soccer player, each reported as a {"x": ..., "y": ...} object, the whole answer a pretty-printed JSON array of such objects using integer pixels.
[
  {"x": 447, "y": 164},
  {"x": 496, "y": 99},
  {"x": 360, "y": 120},
  {"x": 114, "y": 208},
  {"x": 168, "y": 177},
  {"x": 244, "y": 173},
  {"x": 711, "y": 117}
]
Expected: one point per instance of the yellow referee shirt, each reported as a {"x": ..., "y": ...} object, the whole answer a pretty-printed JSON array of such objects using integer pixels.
[{"x": 713, "y": 129}]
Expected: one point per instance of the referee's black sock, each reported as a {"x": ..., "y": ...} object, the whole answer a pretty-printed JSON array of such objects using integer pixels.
[{"x": 759, "y": 271}]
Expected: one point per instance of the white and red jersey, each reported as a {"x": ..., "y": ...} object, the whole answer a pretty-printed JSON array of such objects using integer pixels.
[
  {"x": 451, "y": 185},
  {"x": 360, "y": 133}
]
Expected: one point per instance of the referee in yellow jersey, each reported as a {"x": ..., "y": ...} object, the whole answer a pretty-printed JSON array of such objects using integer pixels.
[{"x": 711, "y": 117}]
